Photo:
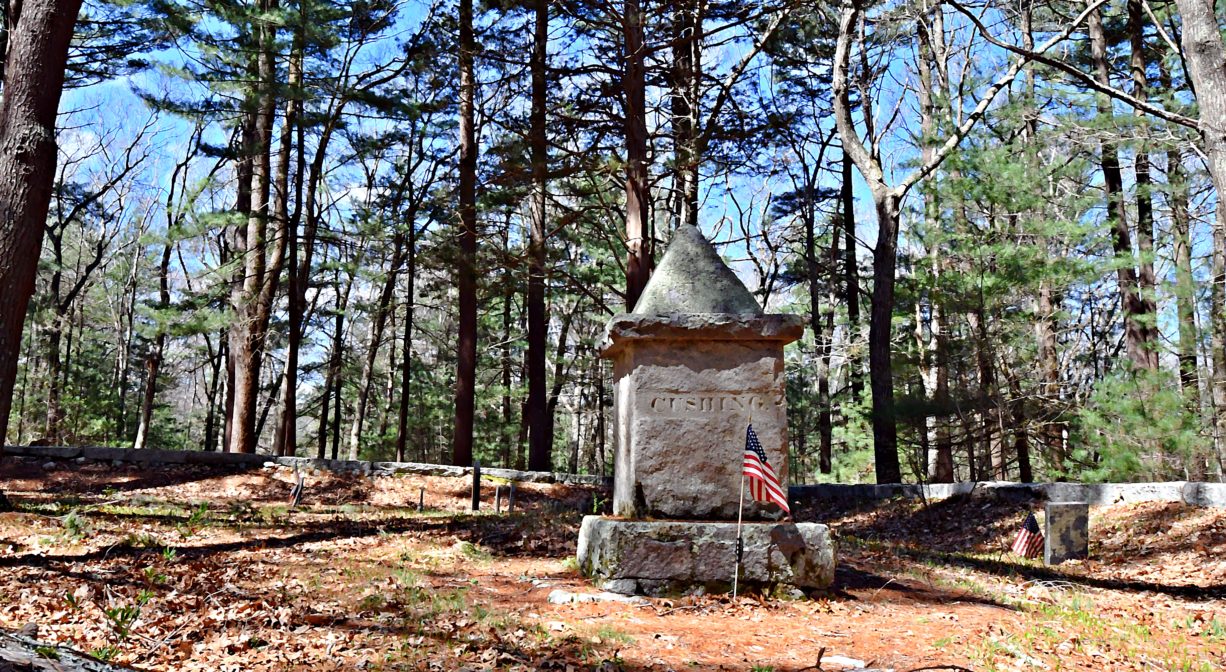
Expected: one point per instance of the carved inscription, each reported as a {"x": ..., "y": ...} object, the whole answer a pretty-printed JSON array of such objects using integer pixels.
[{"x": 673, "y": 404}]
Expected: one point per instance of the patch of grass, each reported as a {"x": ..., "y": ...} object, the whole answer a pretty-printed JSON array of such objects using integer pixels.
[
  {"x": 472, "y": 551},
  {"x": 48, "y": 652},
  {"x": 75, "y": 526},
  {"x": 608, "y": 633}
]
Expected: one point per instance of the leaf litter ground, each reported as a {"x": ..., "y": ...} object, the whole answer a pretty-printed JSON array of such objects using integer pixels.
[{"x": 191, "y": 568}]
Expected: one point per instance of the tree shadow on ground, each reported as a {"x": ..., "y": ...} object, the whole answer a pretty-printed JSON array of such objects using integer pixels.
[
  {"x": 514, "y": 535},
  {"x": 957, "y": 524},
  {"x": 1033, "y": 572},
  {"x": 93, "y": 479},
  {"x": 851, "y": 581},
  {"x": 1154, "y": 522}
]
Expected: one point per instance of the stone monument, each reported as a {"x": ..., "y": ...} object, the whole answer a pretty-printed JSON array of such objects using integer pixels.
[{"x": 693, "y": 365}]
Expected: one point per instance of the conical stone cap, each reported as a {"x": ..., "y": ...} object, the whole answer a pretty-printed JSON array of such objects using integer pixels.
[{"x": 692, "y": 278}]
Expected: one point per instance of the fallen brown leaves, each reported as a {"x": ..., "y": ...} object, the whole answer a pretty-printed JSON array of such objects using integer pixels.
[{"x": 190, "y": 569}]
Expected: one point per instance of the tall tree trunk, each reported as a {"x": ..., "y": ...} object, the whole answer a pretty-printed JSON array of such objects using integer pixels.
[
  {"x": 1113, "y": 182},
  {"x": 821, "y": 337},
  {"x": 1045, "y": 309},
  {"x": 880, "y": 329},
  {"x": 1147, "y": 283},
  {"x": 466, "y": 270},
  {"x": 990, "y": 438},
  {"x": 261, "y": 266},
  {"x": 210, "y": 414},
  {"x": 1206, "y": 57},
  {"x": 154, "y": 361},
  {"x": 33, "y": 81},
  {"x": 382, "y": 309},
  {"x": 1185, "y": 284},
  {"x": 539, "y": 449},
  {"x": 332, "y": 379},
  {"x": 931, "y": 67},
  {"x": 508, "y": 296},
  {"x": 685, "y": 106},
  {"x": 851, "y": 275},
  {"x": 285, "y": 438},
  {"x": 406, "y": 358},
  {"x": 634, "y": 87}
]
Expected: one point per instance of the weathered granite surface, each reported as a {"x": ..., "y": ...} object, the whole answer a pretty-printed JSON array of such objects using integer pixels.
[
  {"x": 21, "y": 653},
  {"x": 670, "y": 557},
  {"x": 692, "y": 278},
  {"x": 693, "y": 365},
  {"x": 680, "y": 414},
  {"x": 1067, "y": 536}
]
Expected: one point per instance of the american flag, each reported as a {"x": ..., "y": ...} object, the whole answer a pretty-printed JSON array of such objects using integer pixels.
[
  {"x": 763, "y": 483},
  {"x": 1029, "y": 540}
]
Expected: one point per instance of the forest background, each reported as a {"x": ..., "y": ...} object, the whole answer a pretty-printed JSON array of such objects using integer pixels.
[{"x": 390, "y": 229}]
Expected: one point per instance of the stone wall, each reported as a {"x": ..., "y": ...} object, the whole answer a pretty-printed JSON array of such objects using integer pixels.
[
  {"x": 247, "y": 461},
  {"x": 1192, "y": 493},
  {"x": 1098, "y": 494}
]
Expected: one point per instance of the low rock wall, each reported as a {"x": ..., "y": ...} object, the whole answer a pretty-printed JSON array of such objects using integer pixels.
[
  {"x": 1192, "y": 493},
  {"x": 249, "y": 461}
]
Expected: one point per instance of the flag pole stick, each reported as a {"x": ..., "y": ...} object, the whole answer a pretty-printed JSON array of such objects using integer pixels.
[{"x": 739, "y": 547}]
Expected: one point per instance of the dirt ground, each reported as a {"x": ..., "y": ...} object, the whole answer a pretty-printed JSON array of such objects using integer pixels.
[{"x": 190, "y": 568}]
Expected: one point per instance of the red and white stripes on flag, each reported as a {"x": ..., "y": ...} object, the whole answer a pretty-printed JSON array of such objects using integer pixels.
[
  {"x": 1029, "y": 540},
  {"x": 763, "y": 483}
]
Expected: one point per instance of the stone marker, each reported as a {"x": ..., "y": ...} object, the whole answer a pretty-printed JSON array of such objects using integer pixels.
[
  {"x": 693, "y": 365},
  {"x": 1067, "y": 536}
]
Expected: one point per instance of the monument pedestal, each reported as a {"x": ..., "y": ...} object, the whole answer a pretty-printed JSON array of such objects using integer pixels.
[
  {"x": 650, "y": 557},
  {"x": 694, "y": 364}
]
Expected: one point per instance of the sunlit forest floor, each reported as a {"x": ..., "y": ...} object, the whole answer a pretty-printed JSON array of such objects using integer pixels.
[{"x": 189, "y": 568}]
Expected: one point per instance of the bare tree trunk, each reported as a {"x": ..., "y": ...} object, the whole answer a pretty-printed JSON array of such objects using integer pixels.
[
  {"x": 406, "y": 358},
  {"x": 634, "y": 86},
  {"x": 261, "y": 266},
  {"x": 33, "y": 82},
  {"x": 1147, "y": 281},
  {"x": 466, "y": 270},
  {"x": 851, "y": 275},
  {"x": 1206, "y": 58},
  {"x": 382, "y": 309},
  {"x": 1113, "y": 182},
  {"x": 505, "y": 358},
  {"x": 332, "y": 384},
  {"x": 539, "y": 449},
  {"x": 210, "y": 415},
  {"x": 285, "y": 437},
  {"x": 154, "y": 361},
  {"x": 821, "y": 336},
  {"x": 685, "y": 105},
  {"x": 1185, "y": 285},
  {"x": 880, "y": 329}
]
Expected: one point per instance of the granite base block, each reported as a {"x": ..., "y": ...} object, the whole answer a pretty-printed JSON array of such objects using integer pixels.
[{"x": 677, "y": 557}]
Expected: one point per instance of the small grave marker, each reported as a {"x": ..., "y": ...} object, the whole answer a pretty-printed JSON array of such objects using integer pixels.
[{"x": 1068, "y": 532}]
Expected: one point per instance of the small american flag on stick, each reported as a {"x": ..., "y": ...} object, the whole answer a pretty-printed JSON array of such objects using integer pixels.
[
  {"x": 1029, "y": 540},
  {"x": 763, "y": 483}
]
